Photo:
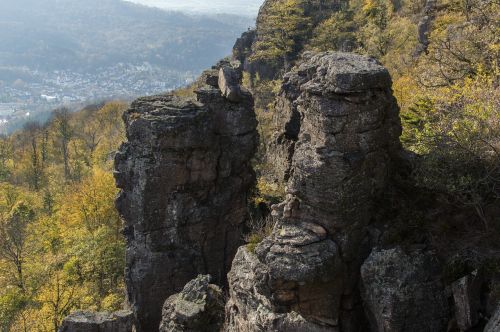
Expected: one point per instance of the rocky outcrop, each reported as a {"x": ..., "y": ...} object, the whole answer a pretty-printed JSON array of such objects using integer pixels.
[
  {"x": 121, "y": 321},
  {"x": 184, "y": 175},
  {"x": 403, "y": 291},
  {"x": 338, "y": 136},
  {"x": 199, "y": 307}
]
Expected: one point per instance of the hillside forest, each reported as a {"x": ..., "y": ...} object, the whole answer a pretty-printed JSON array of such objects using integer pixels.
[{"x": 61, "y": 247}]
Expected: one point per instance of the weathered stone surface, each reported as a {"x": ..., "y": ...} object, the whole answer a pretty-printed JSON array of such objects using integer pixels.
[
  {"x": 199, "y": 307},
  {"x": 229, "y": 84},
  {"x": 337, "y": 134},
  {"x": 467, "y": 299},
  {"x": 121, "y": 321},
  {"x": 403, "y": 292},
  {"x": 184, "y": 175},
  {"x": 260, "y": 303},
  {"x": 494, "y": 322}
]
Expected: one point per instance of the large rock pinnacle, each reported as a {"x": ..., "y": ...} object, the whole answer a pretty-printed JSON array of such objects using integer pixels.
[
  {"x": 338, "y": 131},
  {"x": 183, "y": 174}
]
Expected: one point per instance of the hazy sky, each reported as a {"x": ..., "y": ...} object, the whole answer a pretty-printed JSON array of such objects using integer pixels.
[{"x": 240, "y": 7}]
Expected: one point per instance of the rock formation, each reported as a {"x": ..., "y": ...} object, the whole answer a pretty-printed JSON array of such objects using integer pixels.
[
  {"x": 198, "y": 308},
  {"x": 121, "y": 321},
  {"x": 184, "y": 175},
  {"x": 338, "y": 136}
]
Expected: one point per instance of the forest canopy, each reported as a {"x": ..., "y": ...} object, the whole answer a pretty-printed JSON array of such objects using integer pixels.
[{"x": 61, "y": 244}]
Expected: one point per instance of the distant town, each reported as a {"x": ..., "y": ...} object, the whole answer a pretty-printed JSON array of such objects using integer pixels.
[{"x": 38, "y": 92}]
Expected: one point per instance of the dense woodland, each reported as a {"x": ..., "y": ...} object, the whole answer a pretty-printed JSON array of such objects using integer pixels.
[{"x": 61, "y": 247}]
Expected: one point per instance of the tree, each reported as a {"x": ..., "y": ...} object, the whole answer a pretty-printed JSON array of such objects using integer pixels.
[
  {"x": 5, "y": 156},
  {"x": 335, "y": 33},
  {"x": 457, "y": 132},
  {"x": 463, "y": 40},
  {"x": 64, "y": 132},
  {"x": 13, "y": 239},
  {"x": 281, "y": 30},
  {"x": 34, "y": 133}
]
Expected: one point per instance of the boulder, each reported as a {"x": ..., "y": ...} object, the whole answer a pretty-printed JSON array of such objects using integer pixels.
[
  {"x": 80, "y": 321},
  {"x": 184, "y": 174},
  {"x": 403, "y": 292},
  {"x": 199, "y": 307}
]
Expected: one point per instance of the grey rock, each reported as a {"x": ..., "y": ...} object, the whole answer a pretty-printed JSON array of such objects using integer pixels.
[
  {"x": 120, "y": 321},
  {"x": 199, "y": 307},
  {"x": 184, "y": 175},
  {"x": 339, "y": 73},
  {"x": 467, "y": 299},
  {"x": 403, "y": 292},
  {"x": 260, "y": 303},
  {"x": 229, "y": 84},
  {"x": 494, "y": 322}
]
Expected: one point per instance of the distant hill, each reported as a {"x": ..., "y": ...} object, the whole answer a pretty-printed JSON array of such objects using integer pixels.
[
  {"x": 85, "y": 35},
  {"x": 237, "y": 7}
]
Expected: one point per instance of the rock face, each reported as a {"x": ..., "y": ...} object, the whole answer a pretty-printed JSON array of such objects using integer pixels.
[
  {"x": 467, "y": 298},
  {"x": 494, "y": 322},
  {"x": 404, "y": 292},
  {"x": 184, "y": 175},
  {"x": 198, "y": 308},
  {"x": 121, "y": 321},
  {"x": 229, "y": 84},
  {"x": 338, "y": 132}
]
